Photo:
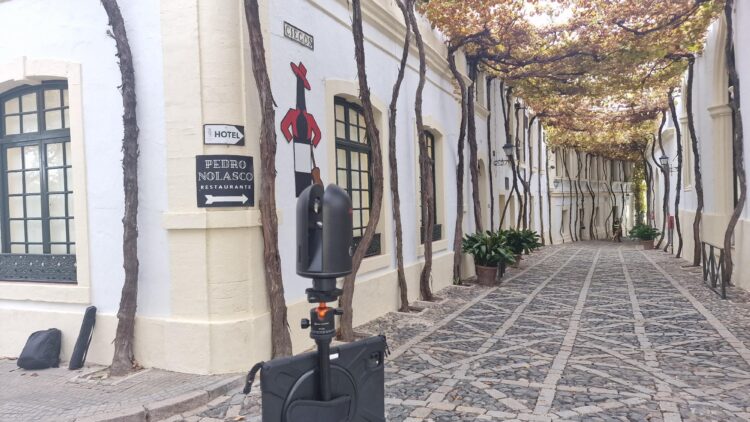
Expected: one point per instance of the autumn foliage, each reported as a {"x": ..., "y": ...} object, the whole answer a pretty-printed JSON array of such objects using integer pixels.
[{"x": 595, "y": 71}]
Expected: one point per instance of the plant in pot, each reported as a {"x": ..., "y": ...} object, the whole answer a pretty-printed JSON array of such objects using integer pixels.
[
  {"x": 489, "y": 251},
  {"x": 521, "y": 242},
  {"x": 646, "y": 234}
]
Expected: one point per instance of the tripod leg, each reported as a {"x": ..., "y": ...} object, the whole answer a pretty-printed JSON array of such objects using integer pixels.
[{"x": 324, "y": 369}]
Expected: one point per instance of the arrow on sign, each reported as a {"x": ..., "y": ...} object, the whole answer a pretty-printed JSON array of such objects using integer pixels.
[
  {"x": 211, "y": 199},
  {"x": 223, "y": 134}
]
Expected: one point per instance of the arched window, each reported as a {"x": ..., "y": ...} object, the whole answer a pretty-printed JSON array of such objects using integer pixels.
[
  {"x": 353, "y": 166},
  {"x": 36, "y": 194}
]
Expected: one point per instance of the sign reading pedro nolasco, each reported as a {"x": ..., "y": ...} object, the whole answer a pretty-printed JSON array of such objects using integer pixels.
[{"x": 224, "y": 181}]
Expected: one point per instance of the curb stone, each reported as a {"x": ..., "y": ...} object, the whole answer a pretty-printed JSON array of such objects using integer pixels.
[{"x": 169, "y": 407}]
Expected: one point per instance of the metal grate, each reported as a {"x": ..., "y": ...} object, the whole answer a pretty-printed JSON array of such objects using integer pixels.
[
  {"x": 38, "y": 267},
  {"x": 714, "y": 275}
]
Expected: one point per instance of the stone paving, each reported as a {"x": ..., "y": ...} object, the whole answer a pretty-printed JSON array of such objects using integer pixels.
[
  {"x": 58, "y": 394},
  {"x": 585, "y": 331}
]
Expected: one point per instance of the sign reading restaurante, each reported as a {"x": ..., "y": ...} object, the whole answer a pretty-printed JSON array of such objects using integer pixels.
[{"x": 224, "y": 181}]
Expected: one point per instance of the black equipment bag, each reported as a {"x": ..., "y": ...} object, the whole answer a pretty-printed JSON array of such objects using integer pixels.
[
  {"x": 42, "y": 350},
  {"x": 78, "y": 357},
  {"x": 290, "y": 385}
]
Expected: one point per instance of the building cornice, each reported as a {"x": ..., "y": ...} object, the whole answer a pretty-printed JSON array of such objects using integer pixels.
[{"x": 720, "y": 110}]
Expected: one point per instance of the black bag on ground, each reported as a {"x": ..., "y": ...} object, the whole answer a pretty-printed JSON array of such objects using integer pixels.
[{"x": 42, "y": 350}]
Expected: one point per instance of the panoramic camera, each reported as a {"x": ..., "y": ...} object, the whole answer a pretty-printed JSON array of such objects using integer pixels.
[{"x": 342, "y": 383}]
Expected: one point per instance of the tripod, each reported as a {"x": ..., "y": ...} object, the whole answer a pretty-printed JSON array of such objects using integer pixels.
[{"x": 322, "y": 324}]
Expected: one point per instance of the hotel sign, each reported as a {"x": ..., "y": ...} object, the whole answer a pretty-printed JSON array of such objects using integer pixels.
[
  {"x": 223, "y": 134},
  {"x": 299, "y": 36}
]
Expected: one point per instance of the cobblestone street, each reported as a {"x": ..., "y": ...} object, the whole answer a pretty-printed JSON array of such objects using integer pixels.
[
  {"x": 584, "y": 331},
  {"x": 588, "y": 331}
]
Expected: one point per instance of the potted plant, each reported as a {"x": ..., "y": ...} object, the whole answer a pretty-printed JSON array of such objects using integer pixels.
[
  {"x": 489, "y": 251},
  {"x": 646, "y": 234},
  {"x": 521, "y": 242}
]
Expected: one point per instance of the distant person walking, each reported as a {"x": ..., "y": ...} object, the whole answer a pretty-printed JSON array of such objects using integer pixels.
[{"x": 617, "y": 231}]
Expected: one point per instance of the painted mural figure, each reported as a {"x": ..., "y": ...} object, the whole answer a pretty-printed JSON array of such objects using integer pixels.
[{"x": 300, "y": 127}]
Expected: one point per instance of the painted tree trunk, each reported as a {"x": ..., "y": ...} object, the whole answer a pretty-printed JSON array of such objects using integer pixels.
[
  {"x": 426, "y": 182},
  {"x": 346, "y": 330},
  {"x": 737, "y": 139},
  {"x": 678, "y": 186},
  {"x": 281, "y": 343},
  {"x": 458, "y": 230},
  {"x": 393, "y": 162},
  {"x": 123, "y": 360}
]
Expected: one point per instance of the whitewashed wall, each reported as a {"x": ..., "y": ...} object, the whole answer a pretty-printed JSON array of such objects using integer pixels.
[
  {"x": 333, "y": 59},
  {"x": 76, "y": 31}
]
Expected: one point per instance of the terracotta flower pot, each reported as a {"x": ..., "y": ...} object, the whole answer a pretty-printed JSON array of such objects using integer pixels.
[
  {"x": 647, "y": 244},
  {"x": 486, "y": 275}
]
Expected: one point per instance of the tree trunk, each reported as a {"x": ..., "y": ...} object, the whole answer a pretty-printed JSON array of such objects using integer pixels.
[
  {"x": 607, "y": 182},
  {"x": 737, "y": 139},
  {"x": 697, "y": 247},
  {"x": 648, "y": 172},
  {"x": 529, "y": 178},
  {"x": 473, "y": 159},
  {"x": 582, "y": 197},
  {"x": 622, "y": 191},
  {"x": 539, "y": 180},
  {"x": 458, "y": 231},
  {"x": 570, "y": 184},
  {"x": 678, "y": 187},
  {"x": 665, "y": 200},
  {"x": 549, "y": 193},
  {"x": 281, "y": 344},
  {"x": 123, "y": 360},
  {"x": 373, "y": 135},
  {"x": 592, "y": 229},
  {"x": 428, "y": 217},
  {"x": 506, "y": 120},
  {"x": 393, "y": 162},
  {"x": 517, "y": 170},
  {"x": 490, "y": 164}
]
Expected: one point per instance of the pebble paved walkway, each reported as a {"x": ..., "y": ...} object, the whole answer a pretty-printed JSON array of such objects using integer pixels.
[{"x": 588, "y": 331}]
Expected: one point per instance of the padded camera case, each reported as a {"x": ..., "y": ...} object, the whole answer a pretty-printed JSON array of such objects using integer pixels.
[
  {"x": 290, "y": 385},
  {"x": 42, "y": 350}
]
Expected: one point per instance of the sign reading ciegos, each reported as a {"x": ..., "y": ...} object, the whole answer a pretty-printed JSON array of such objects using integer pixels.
[
  {"x": 224, "y": 181},
  {"x": 299, "y": 36}
]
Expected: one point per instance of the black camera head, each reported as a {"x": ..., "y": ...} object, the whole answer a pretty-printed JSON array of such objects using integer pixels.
[{"x": 324, "y": 239}]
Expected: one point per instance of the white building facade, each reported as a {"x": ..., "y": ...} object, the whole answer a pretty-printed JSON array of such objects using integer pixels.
[
  {"x": 202, "y": 304},
  {"x": 714, "y": 128}
]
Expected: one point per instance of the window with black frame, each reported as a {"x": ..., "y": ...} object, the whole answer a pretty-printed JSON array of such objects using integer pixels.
[
  {"x": 37, "y": 230},
  {"x": 437, "y": 231},
  {"x": 353, "y": 166}
]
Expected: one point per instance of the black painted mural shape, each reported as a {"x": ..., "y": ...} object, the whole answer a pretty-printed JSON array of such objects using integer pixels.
[{"x": 300, "y": 127}]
